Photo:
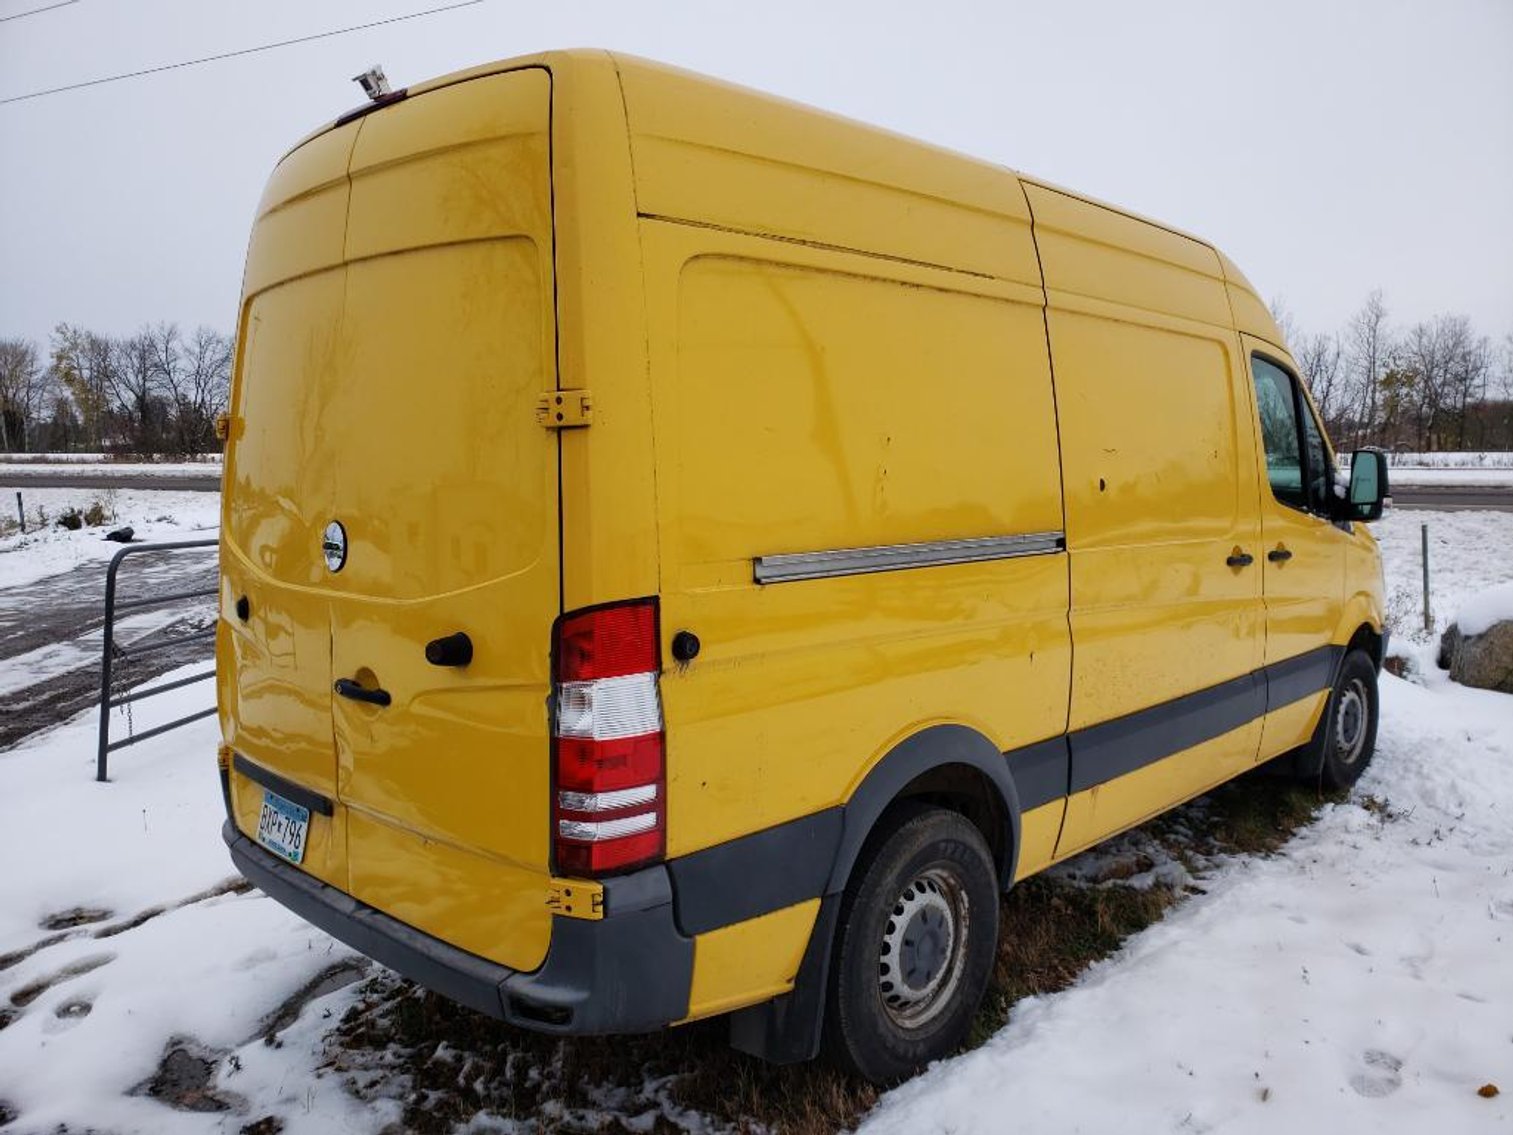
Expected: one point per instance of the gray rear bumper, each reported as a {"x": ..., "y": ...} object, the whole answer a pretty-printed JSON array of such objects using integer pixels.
[{"x": 627, "y": 972}]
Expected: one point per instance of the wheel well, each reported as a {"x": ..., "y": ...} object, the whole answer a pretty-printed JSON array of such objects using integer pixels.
[
  {"x": 967, "y": 791},
  {"x": 1368, "y": 640}
]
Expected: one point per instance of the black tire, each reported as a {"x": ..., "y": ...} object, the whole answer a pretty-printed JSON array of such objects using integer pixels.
[
  {"x": 914, "y": 946},
  {"x": 1345, "y": 740}
]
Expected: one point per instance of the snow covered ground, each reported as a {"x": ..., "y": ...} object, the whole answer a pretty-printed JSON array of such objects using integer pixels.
[
  {"x": 23, "y": 471},
  {"x": 1448, "y": 478},
  {"x": 1362, "y": 979},
  {"x": 45, "y": 549},
  {"x": 199, "y": 461},
  {"x": 1471, "y": 459},
  {"x": 1469, "y": 552}
]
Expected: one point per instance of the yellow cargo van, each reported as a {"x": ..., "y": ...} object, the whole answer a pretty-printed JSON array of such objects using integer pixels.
[{"x": 687, "y": 554}]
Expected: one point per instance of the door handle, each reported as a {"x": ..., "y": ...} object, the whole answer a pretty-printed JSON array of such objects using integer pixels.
[
  {"x": 347, "y": 688},
  {"x": 1240, "y": 559},
  {"x": 450, "y": 650},
  {"x": 1279, "y": 555}
]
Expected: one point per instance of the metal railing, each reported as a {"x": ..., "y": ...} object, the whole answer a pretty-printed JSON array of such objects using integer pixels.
[{"x": 110, "y": 650}]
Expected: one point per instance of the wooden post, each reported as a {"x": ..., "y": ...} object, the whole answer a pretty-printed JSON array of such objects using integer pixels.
[
  {"x": 21, "y": 512},
  {"x": 1424, "y": 542}
]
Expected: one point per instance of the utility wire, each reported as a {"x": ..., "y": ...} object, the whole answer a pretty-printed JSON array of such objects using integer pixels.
[
  {"x": 37, "y": 11},
  {"x": 234, "y": 54}
]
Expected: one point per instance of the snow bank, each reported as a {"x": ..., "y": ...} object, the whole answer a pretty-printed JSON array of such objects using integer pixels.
[{"x": 1485, "y": 609}]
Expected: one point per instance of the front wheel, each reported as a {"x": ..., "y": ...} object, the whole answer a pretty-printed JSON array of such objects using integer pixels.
[
  {"x": 1343, "y": 743},
  {"x": 914, "y": 949}
]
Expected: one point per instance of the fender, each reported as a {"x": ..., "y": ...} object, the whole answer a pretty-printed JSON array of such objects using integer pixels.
[
  {"x": 934, "y": 747},
  {"x": 788, "y": 1029},
  {"x": 1360, "y": 609}
]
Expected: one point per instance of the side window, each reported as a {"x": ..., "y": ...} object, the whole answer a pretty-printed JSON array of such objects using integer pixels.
[
  {"x": 1315, "y": 460},
  {"x": 1276, "y": 398}
]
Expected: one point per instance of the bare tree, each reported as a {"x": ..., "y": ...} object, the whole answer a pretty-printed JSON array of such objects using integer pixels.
[
  {"x": 196, "y": 374},
  {"x": 1321, "y": 359},
  {"x": 1368, "y": 346},
  {"x": 23, "y": 392},
  {"x": 135, "y": 387},
  {"x": 84, "y": 363}
]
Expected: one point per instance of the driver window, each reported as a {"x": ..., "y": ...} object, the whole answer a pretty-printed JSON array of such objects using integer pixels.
[{"x": 1315, "y": 461}]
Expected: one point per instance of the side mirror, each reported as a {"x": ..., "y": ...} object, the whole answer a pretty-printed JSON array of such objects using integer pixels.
[{"x": 1368, "y": 486}]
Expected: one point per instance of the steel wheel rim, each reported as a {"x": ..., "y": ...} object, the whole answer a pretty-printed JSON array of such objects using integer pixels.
[
  {"x": 923, "y": 954},
  {"x": 1350, "y": 717}
]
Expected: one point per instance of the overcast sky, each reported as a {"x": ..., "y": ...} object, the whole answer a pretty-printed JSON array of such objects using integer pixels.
[{"x": 1329, "y": 146}]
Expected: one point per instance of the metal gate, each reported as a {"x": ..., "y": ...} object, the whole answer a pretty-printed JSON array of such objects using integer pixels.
[{"x": 110, "y": 650}]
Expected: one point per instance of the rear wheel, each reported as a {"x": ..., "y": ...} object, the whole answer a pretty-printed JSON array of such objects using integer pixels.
[
  {"x": 1343, "y": 743},
  {"x": 914, "y": 947}
]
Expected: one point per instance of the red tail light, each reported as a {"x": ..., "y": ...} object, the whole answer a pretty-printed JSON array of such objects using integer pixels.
[{"x": 608, "y": 809}]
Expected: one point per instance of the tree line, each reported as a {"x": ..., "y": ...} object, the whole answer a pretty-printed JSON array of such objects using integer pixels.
[
  {"x": 1435, "y": 385},
  {"x": 156, "y": 391}
]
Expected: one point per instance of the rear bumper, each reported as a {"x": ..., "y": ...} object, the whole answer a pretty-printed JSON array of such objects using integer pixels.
[{"x": 627, "y": 972}]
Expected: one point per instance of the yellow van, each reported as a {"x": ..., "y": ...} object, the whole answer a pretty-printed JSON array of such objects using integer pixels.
[{"x": 688, "y": 554}]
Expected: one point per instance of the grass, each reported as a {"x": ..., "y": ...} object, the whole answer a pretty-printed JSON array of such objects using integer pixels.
[{"x": 446, "y": 1066}]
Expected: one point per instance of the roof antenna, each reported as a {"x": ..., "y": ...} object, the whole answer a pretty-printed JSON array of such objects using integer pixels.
[{"x": 374, "y": 84}]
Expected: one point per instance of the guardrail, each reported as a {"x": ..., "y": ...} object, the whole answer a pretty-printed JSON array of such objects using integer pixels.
[{"x": 109, "y": 651}]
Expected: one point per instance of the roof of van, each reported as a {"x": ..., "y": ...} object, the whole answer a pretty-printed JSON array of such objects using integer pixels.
[{"x": 948, "y": 174}]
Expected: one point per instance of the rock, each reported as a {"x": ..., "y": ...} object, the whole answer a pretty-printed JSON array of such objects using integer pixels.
[
  {"x": 1484, "y": 660},
  {"x": 121, "y": 535}
]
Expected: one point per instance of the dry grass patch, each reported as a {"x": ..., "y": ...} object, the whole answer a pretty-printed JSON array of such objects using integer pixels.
[{"x": 446, "y": 1066}]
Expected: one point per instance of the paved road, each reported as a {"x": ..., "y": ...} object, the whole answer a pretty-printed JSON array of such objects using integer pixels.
[
  {"x": 20, "y": 477},
  {"x": 1454, "y": 498},
  {"x": 50, "y": 636}
]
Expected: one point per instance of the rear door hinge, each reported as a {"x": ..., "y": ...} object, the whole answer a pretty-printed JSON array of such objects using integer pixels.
[
  {"x": 575, "y": 898},
  {"x": 565, "y": 409}
]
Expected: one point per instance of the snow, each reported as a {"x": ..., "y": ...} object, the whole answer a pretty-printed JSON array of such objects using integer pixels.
[
  {"x": 1360, "y": 979},
  {"x": 1448, "y": 478},
  {"x": 1467, "y": 554},
  {"x": 201, "y": 462},
  {"x": 1471, "y": 459},
  {"x": 45, "y": 549},
  {"x": 21, "y": 472},
  {"x": 1486, "y": 608},
  {"x": 211, "y": 966}
]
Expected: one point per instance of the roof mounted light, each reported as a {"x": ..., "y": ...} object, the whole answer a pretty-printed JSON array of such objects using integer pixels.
[{"x": 374, "y": 83}]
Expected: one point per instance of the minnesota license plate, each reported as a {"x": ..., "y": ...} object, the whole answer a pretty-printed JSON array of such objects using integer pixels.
[{"x": 282, "y": 827}]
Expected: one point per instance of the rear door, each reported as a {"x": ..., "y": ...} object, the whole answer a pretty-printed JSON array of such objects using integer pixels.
[{"x": 418, "y": 436}]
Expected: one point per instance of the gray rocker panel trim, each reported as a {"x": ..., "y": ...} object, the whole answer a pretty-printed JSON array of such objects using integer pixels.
[{"x": 1112, "y": 749}]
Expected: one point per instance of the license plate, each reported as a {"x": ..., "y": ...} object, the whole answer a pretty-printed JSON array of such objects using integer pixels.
[{"x": 282, "y": 827}]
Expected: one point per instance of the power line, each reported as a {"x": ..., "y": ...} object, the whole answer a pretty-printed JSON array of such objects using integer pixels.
[
  {"x": 233, "y": 54},
  {"x": 37, "y": 11}
]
